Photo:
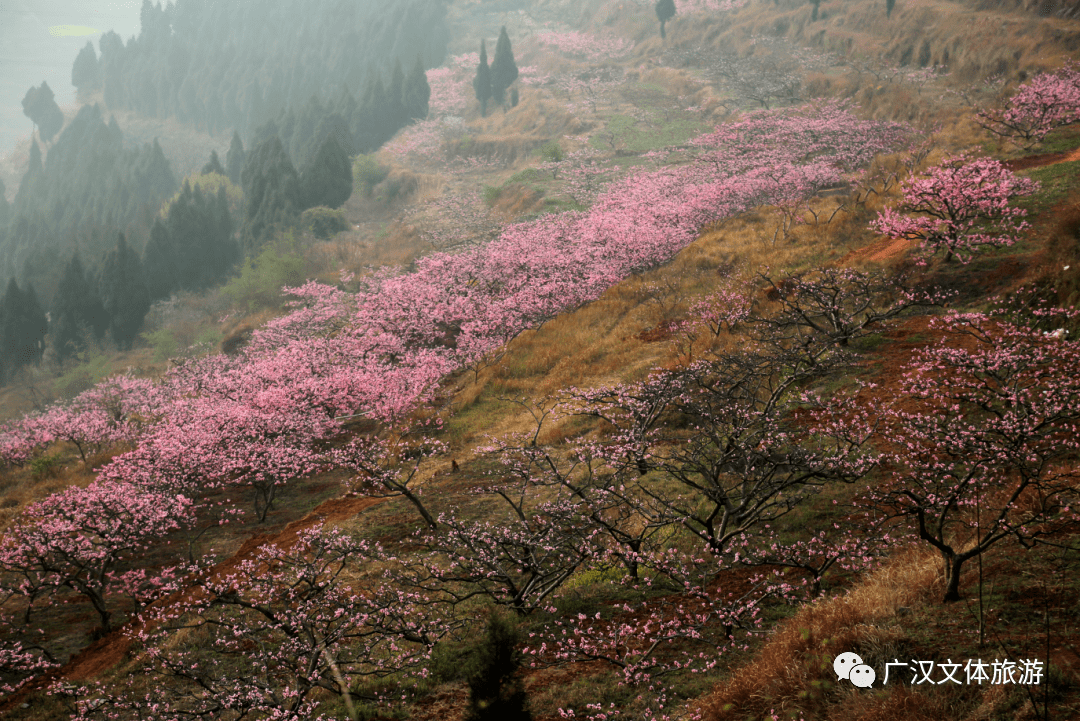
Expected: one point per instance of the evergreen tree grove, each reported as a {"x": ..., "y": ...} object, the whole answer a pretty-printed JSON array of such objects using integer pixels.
[
  {"x": 327, "y": 180},
  {"x": 22, "y": 328},
  {"x": 123, "y": 293},
  {"x": 76, "y": 309},
  {"x": 271, "y": 191}
]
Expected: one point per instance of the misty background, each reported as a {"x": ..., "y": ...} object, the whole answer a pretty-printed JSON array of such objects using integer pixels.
[{"x": 29, "y": 54}]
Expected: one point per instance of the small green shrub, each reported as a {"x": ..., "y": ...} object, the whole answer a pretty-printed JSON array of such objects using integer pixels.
[
  {"x": 91, "y": 367},
  {"x": 551, "y": 151},
  {"x": 491, "y": 195},
  {"x": 164, "y": 343},
  {"x": 367, "y": 173},
  {"x": 45, "y": 466},
  {"x": 323, "y": 222},
  {"x": 261, "y": 278}
]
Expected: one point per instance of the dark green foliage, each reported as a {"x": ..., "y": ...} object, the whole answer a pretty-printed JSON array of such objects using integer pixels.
[
  {"x": 160, "y": 263},
  {"x": 238, "y": 65},
  {"x": 417, "y": 92},
  {"x": 271, "y": 192},
  {"x": 234, "y": 159},
  {"x": 665, "y": 10},
  {"x": 889, "y": 5},
  {"x": 85, "y": 73},
  {"x": 327, "y": 179},
  {"x": 32, "y": 180},
  {"x": 123, "y": 293},
  {"x": 196, "y": 241},
  {"x": 513, "y": 97},
  {"x": 504, "y": 70},
  {"x": 482, "y": 81},
  {"x": 323, "y": 222},
  {"x": 22, "y": 328},
  {"x": 367, "y": 173},
  {"x": 213, "y": 165},
  {"x": 496, "y": 692},
  {"x": 114, "y": 62},
  {"x": 40, "y": 106},
  {"x": 90, "y": 189},
  {"x": 76, "y": 311},
  {"x": 814, "y": 12},
  {"x": 396, "y": 115}
]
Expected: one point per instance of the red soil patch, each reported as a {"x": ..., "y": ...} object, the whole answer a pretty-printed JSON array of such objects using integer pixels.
[
  {"x": 1037, "y": 161},
  {"x": 884, "y": 250}
]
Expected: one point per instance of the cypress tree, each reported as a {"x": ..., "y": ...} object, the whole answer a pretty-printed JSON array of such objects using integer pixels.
[
  {"x": 482, "y": 81},
  {"x": 398, "y": 114},
  {"x": 85, "y": 74},
  {"x": 381, "y": 114},
  {"x": 889, "y": 5},
  {"x": 213, "y": 165},
  {"x": 124, "y": 293},
  {"x": 159, "y": 262},
  {"x": 665, "y": 10},
  {"x": 327, "y": 179},
  {"x": 271, "y": 192},
  {"x": 504, "y": 70},
  {"x": 22, "y": 327},
  {"x": 234, "y": 159},
  {"x": 77, "y": 309},
  {"x": 417, "y": 92},
  {"x": 496, "y": 693}
]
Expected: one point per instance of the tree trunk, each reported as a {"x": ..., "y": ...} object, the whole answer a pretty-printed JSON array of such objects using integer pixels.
[{"x": 952, "y": 580}]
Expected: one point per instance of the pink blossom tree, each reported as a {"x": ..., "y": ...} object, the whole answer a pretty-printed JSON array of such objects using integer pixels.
[
  {"x": 82, "y": 538},
  {"x": 980, "y": 437},
  {"x": 382, "y": 470},
  {"x": 964, "y": 205},
  {"x": 1046, "y": 102},
  {"x": 282, "y": 626}
]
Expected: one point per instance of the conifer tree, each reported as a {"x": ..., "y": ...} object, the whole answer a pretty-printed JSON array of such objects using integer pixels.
[
  {"x": 504, "y": 70},
  {"x": 22, "y": 328},
  {"x": 482, "y": 81},
  {"x": 40, "y": 106},
  {"x": 378, "y": 111},
  {"x": 417, "y": 92},
  {"x": 124, "y": 293},
  {"x": 271, "y": 192},
  {"x": 496, "y": 692},
  {"x": 77, "y": 310},
  {"x": 234, "y": 159},
  {"x": 665, "y": 10},
  {"x": 159, "y": 262},
  {"x": 213, "y": 165},
  {"x": 327, "y": 180},
  {"x": 85, "y": 73},
  {"x": 397, "y": 114},
  {"x": 32, "y": 179},
  {"x": 889, "y": 5}
]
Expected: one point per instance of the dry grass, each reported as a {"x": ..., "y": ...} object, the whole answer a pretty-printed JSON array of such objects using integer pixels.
[{"x": 794, "y": 668}]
